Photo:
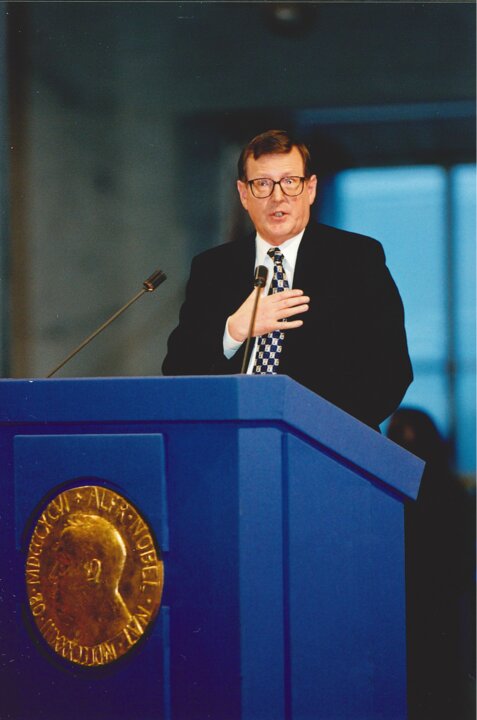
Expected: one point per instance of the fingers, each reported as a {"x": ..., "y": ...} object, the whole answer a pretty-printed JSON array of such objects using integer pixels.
[
  {"x": 286, "y": 294},
  {"x": 285, "y": 304},
  {"x": 289, "y": 325},
  {"x": 273, "y": 313},
  {"x": 276, "y": 310},
  {"x": 291, "y": 311}
]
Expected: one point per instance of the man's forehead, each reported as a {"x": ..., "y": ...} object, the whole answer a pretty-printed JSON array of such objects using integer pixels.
[{"x": 291, "y": 163}]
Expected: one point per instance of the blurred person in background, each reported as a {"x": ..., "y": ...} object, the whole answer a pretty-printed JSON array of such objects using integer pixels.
[{"x": 439, "y": 531}]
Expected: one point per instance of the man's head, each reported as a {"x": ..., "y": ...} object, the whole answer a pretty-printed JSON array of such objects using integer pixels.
[
  {"x": 276, "y": 186},
  {"x": 90, "y": 558}
]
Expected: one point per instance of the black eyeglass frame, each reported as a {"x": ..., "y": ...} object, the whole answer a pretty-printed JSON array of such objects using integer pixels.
[{"x": 277, "y": 182}]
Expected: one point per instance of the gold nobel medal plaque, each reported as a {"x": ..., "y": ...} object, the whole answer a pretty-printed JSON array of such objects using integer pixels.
[{"x": 94, "y": 575}]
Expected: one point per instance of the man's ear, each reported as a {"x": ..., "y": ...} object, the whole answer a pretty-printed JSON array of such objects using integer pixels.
[
  {"x": 243, "y": 193},
  {"x": 93, "y": 570},
  {"x": 311, "y": 188}
]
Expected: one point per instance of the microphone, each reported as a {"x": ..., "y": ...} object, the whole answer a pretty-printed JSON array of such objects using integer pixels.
[
  {"x": 149, "y": 285},
  {"x": 260, "y": 279},
  {"x": 259, "y": 282}
]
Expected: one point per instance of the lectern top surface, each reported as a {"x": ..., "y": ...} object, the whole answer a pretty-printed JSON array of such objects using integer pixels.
[{"x": 241, "y": 399}]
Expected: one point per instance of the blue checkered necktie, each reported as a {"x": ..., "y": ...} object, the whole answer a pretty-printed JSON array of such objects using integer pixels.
[{"x": 269, "y": 346}]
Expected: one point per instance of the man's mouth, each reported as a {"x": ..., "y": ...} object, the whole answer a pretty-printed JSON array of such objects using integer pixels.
[{"x": 278, "y": 214}]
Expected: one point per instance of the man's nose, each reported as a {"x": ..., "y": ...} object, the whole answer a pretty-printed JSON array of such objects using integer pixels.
[
  {"x": 278, "y": 193},
  {"x": 53, "y": 574}
]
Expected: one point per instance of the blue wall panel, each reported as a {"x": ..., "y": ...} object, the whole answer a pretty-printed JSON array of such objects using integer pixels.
[
  {"x": 134, "y": 466},
  {"x": 345, "y": 555}
]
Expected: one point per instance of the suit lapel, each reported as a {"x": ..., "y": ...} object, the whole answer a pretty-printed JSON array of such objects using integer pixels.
[
  {"x": 241, "y": 276},
  {"x": 308, "y": 265}
]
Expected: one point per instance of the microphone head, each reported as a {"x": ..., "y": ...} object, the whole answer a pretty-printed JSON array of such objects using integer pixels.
[
  {"x": 261, "y": 274},
  {"x": 154, "y": 280}
]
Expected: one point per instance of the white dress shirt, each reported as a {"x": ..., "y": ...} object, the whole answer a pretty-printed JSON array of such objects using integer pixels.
[{"x": 289, "y": 250}]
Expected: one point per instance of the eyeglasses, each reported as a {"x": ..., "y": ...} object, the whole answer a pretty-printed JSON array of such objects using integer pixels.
[{"x": 263, "y": 187}]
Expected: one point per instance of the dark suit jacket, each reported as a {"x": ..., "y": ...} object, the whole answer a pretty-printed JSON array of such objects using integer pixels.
[{"x": 352, "y": 347}]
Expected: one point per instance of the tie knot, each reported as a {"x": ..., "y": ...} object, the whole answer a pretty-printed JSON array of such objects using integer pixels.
[{"x": 276, "y": 255}]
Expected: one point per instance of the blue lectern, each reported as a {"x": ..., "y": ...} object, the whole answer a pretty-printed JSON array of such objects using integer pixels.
[{"x": 280, "y": 522}]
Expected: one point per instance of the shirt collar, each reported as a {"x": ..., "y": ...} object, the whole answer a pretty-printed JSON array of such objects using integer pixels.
[{"x": 289, "y": 248}]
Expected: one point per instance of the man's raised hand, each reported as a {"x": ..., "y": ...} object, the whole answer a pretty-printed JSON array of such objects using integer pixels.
[{"x": 272, "y": 311}]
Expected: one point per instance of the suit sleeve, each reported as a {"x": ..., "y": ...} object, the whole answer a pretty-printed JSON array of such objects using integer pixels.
[
  {"x": 385, "y": 367},
  {"x": 195, "y": 347}
]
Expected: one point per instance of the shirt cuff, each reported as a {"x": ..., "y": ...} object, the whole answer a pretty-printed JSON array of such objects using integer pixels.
[{"x": 230, "y": 345}]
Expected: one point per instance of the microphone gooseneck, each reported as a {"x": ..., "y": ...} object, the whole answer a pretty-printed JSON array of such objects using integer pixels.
[
  {"x": 149, "y": 285},
  {"x": 260, "y": 280}
]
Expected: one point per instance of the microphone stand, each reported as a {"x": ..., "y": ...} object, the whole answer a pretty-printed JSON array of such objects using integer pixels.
[
  {"x": 260, "y": 281},
  {"x": 149, "y": 285}
]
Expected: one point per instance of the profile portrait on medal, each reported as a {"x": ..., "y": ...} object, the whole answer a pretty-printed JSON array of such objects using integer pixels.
[{"x": 89, "y": 560}]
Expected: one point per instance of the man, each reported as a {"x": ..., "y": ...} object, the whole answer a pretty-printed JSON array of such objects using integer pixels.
[
  {"x": 334, "y": 315},
  {"x": 86, "y": 602}
]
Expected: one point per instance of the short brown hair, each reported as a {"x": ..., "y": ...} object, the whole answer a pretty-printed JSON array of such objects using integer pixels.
[{"x": 269, "y": 143}]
